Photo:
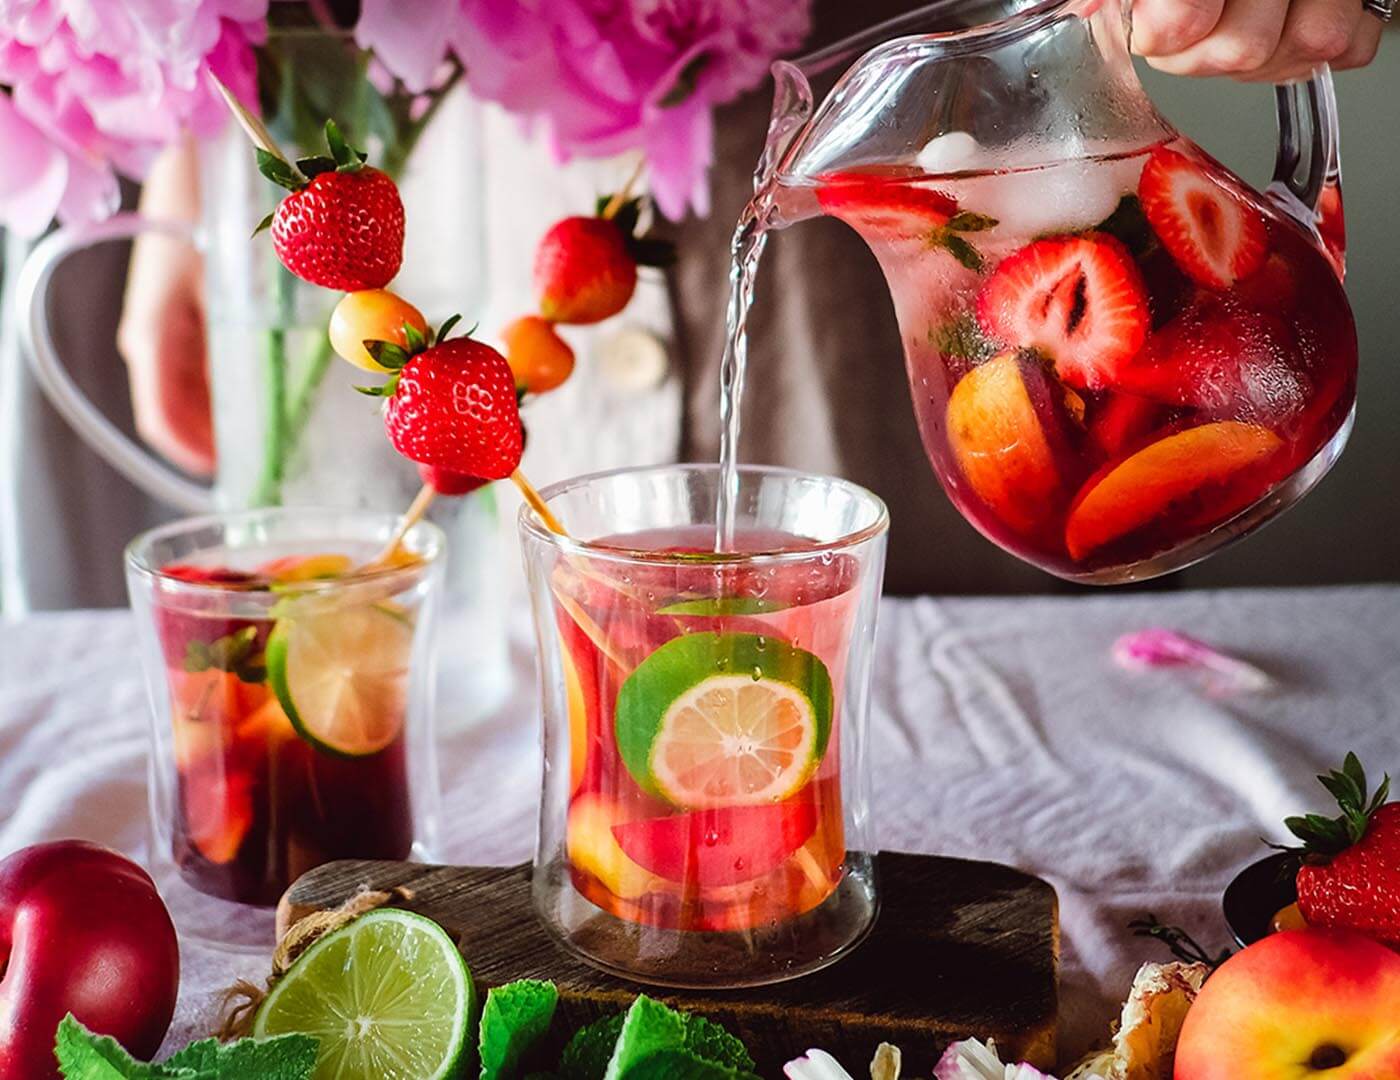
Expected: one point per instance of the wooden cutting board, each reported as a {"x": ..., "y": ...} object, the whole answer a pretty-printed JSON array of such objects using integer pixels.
[{"x": 960, "y": 949}]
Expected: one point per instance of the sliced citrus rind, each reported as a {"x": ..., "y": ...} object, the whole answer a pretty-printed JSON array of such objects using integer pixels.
[
  {"x": 712, "y": 720},
  {"x": 387, "y": 997},
  {"x": 341, "y": 675}
]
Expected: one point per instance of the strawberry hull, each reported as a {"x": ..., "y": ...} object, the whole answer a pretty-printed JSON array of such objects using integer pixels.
[{"x": 1194, "y": 304}]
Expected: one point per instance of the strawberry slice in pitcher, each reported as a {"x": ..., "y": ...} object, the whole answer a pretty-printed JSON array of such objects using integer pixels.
[
  {"x": 1228, "y": 361},
  {"x": 892, "y": 211},
  {"x": 1079, "y": 300},
  {"x": 726, "y": 846},
  {"x": 1212, "y": 232}
]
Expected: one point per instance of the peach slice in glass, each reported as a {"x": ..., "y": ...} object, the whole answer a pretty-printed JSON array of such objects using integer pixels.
[
  {"x": 1007, "y": 420},
  {"x": 1194, "y": 464}
]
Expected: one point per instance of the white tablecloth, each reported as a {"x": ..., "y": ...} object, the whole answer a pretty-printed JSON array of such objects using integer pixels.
[{"x": 1001, "y": 730}]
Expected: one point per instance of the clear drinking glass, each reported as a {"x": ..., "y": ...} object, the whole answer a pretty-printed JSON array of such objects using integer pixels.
[
  {"x": 705, "y": 819},
  {"x": 291, "y": 704}
]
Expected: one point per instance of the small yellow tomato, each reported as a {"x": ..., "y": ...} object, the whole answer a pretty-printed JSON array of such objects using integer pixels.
[
  {"x": 371, "y": 315},
  {"x": 539, "y": 358}
]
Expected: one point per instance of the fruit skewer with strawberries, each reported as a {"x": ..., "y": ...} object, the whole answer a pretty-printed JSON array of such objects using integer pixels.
[{"x": 452, "y": 407}]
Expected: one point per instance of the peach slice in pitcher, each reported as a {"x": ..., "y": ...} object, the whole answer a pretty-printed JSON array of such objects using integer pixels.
[
  {"x": 1008, "y": 425},
  {"x": 1195, "y": 465}
]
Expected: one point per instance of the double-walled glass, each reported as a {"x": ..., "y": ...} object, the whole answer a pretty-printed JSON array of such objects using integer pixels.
[
  {"x": 705, "y": 819},
  {"x": 291, "y": 702}
]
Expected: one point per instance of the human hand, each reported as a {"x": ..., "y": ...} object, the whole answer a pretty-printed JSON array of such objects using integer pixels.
[
  {"x": 161, "y": 335},
  {"x": 1254, "y": 40}
]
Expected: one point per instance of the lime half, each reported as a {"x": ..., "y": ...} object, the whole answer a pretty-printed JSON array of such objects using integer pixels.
[
  {"x": 711, "y": 720},
  {"x": 341, "y": 675},
  {"x": 389, "y": 997}
]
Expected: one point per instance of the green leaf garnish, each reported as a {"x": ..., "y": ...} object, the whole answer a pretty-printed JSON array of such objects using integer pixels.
[
  {"x": 962, "y": 337},
  {"x": 387, "y": 354},
  {"x": 83, "y": 1055},
  {"x": 1129, "y": 224},
  {"x": 967, "y": 221},
  {"x": 279, "y": 172},
  {"x": 587, "y": 1054},
  {"x": 960, "y": 249},
  {"x": 446, "y": 328},
  {"x": 345, "y": 156},
  {"x": 515, "y": 1017},
  {"x": 1324, "y": 837},
  {"x": 655, "y": 1039},
  {"x": 232, "y": 653}
]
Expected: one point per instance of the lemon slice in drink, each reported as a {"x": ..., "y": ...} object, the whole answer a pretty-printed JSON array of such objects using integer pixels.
[
  {"x": 341, "y": 675},
  {"x": 387, "y": 997},
  {"x": 711, "y": 720}
]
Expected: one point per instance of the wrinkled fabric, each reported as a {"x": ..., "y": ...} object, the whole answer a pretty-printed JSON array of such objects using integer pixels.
[{"x": 1000, "y": 729}]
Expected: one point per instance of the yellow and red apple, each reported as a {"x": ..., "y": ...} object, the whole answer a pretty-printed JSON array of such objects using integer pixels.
[{"x": 1295, "y": 1005}]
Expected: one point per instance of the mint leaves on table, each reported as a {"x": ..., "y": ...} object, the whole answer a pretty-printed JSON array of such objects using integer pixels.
[
  {"x": 648, "y": 1042},
  {"x": 83, "y": 1055},
  {"x": 514, "y": 1019}
]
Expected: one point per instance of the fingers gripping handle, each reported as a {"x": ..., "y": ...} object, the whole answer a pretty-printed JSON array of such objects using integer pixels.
[{"x": 36, "y": 338}]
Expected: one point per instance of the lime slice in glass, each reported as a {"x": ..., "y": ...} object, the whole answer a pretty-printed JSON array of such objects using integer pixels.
[
  {"x": 388, "y": 997},
  {"x": 341, "y": 675},
  {"x": 717, "y": 606},
  {"x": 711, "y": 720}
]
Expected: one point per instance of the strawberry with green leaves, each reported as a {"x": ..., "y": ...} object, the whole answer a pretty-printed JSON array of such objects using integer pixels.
[
  {"x": 341, "y": 226},
  {"x": 451, "y": 404},
  {"x": 1350, "y": 876}
]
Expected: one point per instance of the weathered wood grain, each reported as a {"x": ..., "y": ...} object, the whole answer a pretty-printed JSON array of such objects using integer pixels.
[{"x": 960, "y": 948}]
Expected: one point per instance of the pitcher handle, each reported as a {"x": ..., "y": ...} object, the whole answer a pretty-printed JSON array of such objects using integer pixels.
[
  {"x": 1307, "y": 183},
  {"x": 36, "y": 337}
]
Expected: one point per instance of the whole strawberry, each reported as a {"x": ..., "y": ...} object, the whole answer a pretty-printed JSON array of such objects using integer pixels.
[
  {"x": 586, "y": 267},
  {"x": 342, "y": 225},
  {"x": 1350, "y": 877},
  {"x": 583, "y": 271},
  {"x": 451, "y": 404}
]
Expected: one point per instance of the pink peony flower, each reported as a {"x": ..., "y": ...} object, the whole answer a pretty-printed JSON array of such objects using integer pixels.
[
  {"x": 100, "y": 85},
  {"x": 601, "y": 77},
  {"x": 410, "y": 41}
]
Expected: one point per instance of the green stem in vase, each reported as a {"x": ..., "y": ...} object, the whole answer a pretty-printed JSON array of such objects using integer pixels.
[
  {"x": 303, "y": 398},
  {"x": 275, "y": 434}
]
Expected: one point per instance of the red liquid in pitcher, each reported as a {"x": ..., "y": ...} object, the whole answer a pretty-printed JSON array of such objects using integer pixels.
[
  {"x": 258, "y": 803},
  {"x": 1110, "y": 358},
  {"x": 704, "y": 719}
]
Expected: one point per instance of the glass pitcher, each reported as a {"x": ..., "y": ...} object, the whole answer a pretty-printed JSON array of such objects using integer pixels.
[{"x": 1121, "y": 357}]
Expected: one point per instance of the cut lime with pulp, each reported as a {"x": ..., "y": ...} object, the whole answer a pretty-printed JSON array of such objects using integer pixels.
[
  {"x": 387, "y": 997},
  {"x": 341, "y": 675},
  {"x": 711, "y": 720}
]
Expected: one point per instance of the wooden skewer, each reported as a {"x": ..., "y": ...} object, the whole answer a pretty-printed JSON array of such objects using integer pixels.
[
  {"x": 537, "y": 503},
  {"x": 416, "y": 509},
  {"x": 252, "y": 126},
  {"x": 619, "y": 199}
]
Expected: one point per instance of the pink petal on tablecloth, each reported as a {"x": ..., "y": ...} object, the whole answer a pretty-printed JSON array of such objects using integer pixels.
[{"x": 1161, "y": 647}]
